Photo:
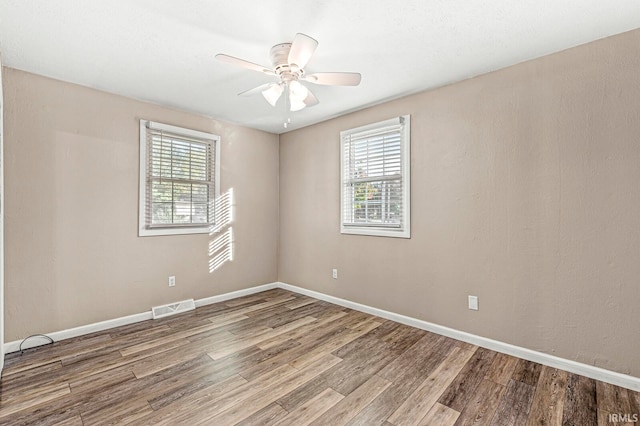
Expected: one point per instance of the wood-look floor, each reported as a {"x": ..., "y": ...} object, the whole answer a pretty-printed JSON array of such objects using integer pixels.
[{"x": 282, "y": 358}]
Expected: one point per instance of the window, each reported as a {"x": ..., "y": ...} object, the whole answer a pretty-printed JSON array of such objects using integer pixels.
[
  {"x": 375, "y": 188},
  {"x": 179, "y": 179}
]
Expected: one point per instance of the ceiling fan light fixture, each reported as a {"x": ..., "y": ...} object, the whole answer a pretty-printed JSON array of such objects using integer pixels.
[
  {"x": 272, "y": 94},
  {"x": 296, "y": 105},
  {"x": 297, "y": 91}
]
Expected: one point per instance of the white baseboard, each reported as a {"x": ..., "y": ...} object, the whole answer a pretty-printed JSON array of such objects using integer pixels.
[
  {"x": 597, "y": 373},
  {"x": 77, "y": 331},
  {"x": 593, "y": 372},
  {"x": 235, "y": 294},
  {"x": 117, "y": 322}
]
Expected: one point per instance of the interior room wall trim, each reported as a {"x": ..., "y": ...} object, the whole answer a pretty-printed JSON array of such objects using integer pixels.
[{"x": 590, "y": 371}]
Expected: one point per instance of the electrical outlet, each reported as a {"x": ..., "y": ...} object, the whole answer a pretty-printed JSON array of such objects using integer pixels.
[
  {"x": 473, "y": 303},
  {"x": 334, "y": 274},
  {"x": 172, "y": 281}
]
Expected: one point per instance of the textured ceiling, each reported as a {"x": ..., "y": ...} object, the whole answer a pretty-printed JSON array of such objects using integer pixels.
[{"x": 163, "y": 51}]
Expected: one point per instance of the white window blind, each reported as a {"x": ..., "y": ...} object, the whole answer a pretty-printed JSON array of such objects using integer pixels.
[
  {"x": 375, "y": 179},
  {"x": 179, "y": 182}
]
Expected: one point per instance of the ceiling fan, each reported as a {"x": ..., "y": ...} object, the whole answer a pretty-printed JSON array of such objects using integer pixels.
[{"x": 289, "y": 61}]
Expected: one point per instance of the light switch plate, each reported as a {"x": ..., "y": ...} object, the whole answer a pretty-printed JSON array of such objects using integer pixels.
[{"x": 473, "y": 303}]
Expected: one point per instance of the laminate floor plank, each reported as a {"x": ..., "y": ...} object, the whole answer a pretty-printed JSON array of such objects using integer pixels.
[
  {"x": 527, "y": 372},
  {"x": 513, "y": 408},
  {"x": 225, "y": 350},
  {"x": 71, "y": 421},
  {"x": 211, "y": 374},
  {"x": 205, "y": 404},
  {"x": 234, "y": 331},
  {"x": 403, "y": 337},
  {"x": 73, "y": 403},
  {"x": 255, "y": 309},
  {"x": 300, "y": 302},
  {"x": 29, "y": 400},
  {"x": 123, "y": 341},
  {"x": 245, "y": 300},
  {"x": 279, "y": 357},
  {"x": 283, "y": 310},
  {"x": 363, "y": 344},
  {"x": 123, "y": 412},
  {"x": 464, "y": 385},
  {"x": 112, "y": 377},
  {"x": 352, "y": 404},
  {"x": 294, "y": 351},
  {"x": 634, "y": 401},
  {"x": 270, "y": 312},
  {"x": 325, "y": 333},
  {"x": 354, "y": 370},
  {"x": 136, "y": 327},
  {"x": 612, "y": 399},
  {"x": 243, "y": 327},
  {"x": 182, "y": 335},
  {"x": 59, "y": 351},
  {"x": 114, "y": 360},
  {"x": 150, "y": 387},
  {"x": 548, "y": 400},
  {"x": 157, "y": 362},
  {"x": 386, "y": 327},
  {"x": 191, "y": 410},
  {"x": 333, "y": 344},
  {"x": 440, "y": 415},
  {"x": 580, "y": 405},
  {"x": 318, "y": 329},
  {"x": 419, "y": 354},
  {"x": 328, "y": 328},
  {"x": 502, "y": 369},
  {"x": 422, "y": 399},
  {"x": 40, "y": 380},
  {"x": 270, "y": 415},
  {"x": 481, "y": 407},
  {"x": 379, "y": 410},
  {"x": 27, "y": 378},
  {"x": 301, "y": 395},
  {"x": 249, "y": 406},
  {"x": 312, "y": 409}
]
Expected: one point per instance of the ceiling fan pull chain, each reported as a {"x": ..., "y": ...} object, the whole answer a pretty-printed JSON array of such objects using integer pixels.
[{"x": 287, "y": 106}]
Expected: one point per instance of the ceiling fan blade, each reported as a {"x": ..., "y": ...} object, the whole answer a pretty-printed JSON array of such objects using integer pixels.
[
  {"x": 242, "y": 63},
  {"x": 302, "y": 49},
  {"x": 273, "y": 93},
  {"x": 311, "y": 100},
  {"x": 335, "y": 78},
  {"x": 256, "y": 90}
]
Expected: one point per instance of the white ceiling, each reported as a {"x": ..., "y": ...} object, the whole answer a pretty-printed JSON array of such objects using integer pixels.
[{"x": 163, "y": 50}]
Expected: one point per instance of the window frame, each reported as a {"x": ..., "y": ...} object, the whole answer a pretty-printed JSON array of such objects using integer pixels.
[
  {"x": 404, "y": 231},
  {"x": 143, "y": 230}
]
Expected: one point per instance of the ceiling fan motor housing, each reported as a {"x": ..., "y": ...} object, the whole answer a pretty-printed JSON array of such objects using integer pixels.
[{"x": 280, "y": 60}]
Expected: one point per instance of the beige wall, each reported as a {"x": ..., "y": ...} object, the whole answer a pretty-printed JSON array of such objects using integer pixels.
[
  {"x": 71, "y": 175},
  {"x": 525, "y": 192},
  {"x": 1, "y": 224}
]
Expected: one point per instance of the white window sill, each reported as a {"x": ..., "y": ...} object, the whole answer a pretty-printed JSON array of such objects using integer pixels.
[
  {"x": 143, "y": 232},
  {"x": 376, "y": 232}
]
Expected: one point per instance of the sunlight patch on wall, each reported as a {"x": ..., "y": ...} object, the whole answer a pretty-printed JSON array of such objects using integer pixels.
[
  {"x": 221, "y": 250},
  {"x": 221, "y": 246},
  {"x": 222, "y": 212}
]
